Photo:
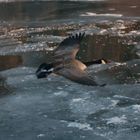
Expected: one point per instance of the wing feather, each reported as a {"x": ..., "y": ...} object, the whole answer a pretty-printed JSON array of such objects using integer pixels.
[{"x": 69, "y": 47}]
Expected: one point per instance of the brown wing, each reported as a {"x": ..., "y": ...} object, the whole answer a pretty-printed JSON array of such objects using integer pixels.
[
  {"x": 66, "y": 64},
  {"x": 68, "y": 49},
  {"x": 74, "y": 72}
]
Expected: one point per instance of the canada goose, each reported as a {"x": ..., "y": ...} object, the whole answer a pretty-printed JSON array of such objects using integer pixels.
[{"x": 67, "y": 65}]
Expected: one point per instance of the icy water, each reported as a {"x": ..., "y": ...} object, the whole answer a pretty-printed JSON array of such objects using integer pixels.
[{"x": 56, "y": 108}]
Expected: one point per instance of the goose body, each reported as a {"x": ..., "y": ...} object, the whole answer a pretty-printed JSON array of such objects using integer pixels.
[{"x": 66, "y": 64}]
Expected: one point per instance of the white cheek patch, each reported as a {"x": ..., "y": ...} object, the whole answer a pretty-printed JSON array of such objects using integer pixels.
[
  {"x": 43, "y": 70},
  {"x": 51, "y": 70}
]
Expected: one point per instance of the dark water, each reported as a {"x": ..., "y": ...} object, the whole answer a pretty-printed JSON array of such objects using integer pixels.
[
  {"x": 38, "y": 26},
  {"x": 56, "y": 108}
]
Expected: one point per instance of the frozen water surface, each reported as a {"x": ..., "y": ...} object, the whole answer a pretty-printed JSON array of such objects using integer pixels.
[
  {"x": 60, "y": 108},
  {"x": 57, "y": 108}
]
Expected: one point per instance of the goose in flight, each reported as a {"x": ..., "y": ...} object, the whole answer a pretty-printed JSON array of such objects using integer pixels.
[{"x": 66, "y": 64}]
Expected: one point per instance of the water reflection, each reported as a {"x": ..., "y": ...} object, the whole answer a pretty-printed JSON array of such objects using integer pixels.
[
  {"x": 103, "y": 40},
  {"x": 7, "y": 62},
  {"x": 126, "y": 7},
  {"x": 106, "y": 37},
  {"x": 44, "y": 10},
  {"x": 111, "y": 112},
  {"x": 56, "y": 10},
  {"x": 4, "y": 88},
  {"x": 109, "y": 47}
]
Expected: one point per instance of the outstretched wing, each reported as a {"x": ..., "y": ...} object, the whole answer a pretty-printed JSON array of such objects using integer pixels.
[
  {"x": 69, "y": 47},
  {"x": 66, "y": 64}
]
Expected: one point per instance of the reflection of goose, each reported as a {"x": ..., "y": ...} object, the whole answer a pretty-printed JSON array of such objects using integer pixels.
[
  {"x": 66, "y": 64},
  {"x": 4, "y": 88},
  {"x": 2, "y": 80}
]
